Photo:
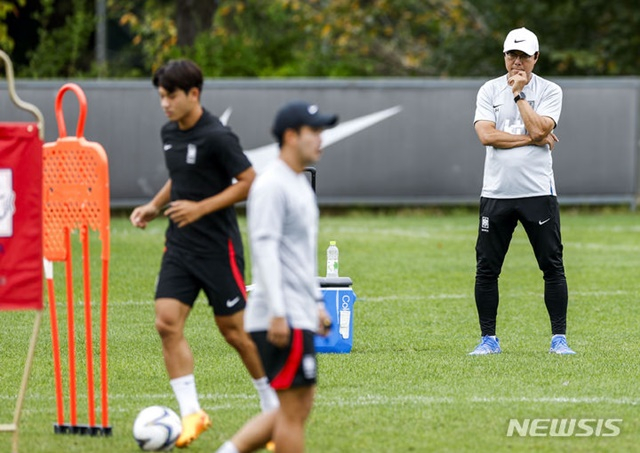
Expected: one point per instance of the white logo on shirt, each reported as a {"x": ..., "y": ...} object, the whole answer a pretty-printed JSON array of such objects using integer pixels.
[
  {"x": 192, "y": 150},
  {"x": 167, "y": 147},
  {"x": 232, "y": 302},
  {"x": 517, "y": 128}
]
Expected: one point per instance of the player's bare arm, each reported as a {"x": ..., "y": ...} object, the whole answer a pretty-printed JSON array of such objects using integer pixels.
[
  {"x": 489, "y": 135},
  {"x": 538, "y": 127},
  {"x": 279, "y": 331},
  {"x": 324, "y": 321},
  {"x": 550, "y": 140},
  {"x": 142, "y": 215},
  {"x": 185, "y": 212}
]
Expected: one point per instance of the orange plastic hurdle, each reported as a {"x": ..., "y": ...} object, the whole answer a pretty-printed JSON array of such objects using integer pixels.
[
  {"x": 21, "y": 226},
  {"x": 76, "y": 197}
]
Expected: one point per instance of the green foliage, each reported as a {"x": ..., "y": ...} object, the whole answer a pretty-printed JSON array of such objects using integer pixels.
[
  {"x": 382, "y": 37},
  {"x": 408, "y": 385},
  {"x": 7, "y": 8},
  {"x": 63, "y": 51},
  {"x": 243, "y": 42},
  {"x": 151, "y": 25},
  {"x": 337, "y": 38},
  {"x": 590, "y": 37}
]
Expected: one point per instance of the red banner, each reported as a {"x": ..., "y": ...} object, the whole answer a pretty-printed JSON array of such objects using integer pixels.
[{"x": 21, "y": 274}]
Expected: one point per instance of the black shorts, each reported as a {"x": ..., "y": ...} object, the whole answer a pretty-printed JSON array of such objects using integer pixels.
[
  {"x": 540, "y": 217},
  {"x": 183, "y": 275},
  {"x": 292, "y": 366}
]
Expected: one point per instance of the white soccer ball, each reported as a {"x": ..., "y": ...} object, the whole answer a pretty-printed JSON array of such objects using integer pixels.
[{"x": 157, "y": 428}]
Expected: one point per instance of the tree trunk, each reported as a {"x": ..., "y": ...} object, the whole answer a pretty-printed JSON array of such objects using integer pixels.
[{"x": 192, "y": 18}]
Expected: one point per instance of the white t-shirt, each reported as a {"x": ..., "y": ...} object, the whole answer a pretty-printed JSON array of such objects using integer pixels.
[
  {"x": 525, "y": 171},
  {"x": 282, "y": 214}
]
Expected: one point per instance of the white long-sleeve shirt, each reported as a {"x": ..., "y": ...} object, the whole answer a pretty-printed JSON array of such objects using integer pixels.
[{"x": 282, "y": 215}]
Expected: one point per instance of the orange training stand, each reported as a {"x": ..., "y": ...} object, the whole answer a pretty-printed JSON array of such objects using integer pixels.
[{"x": 76, "y": 197}]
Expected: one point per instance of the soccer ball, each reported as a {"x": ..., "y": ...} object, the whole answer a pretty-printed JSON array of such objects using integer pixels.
[{"x": 157, "y": 428}]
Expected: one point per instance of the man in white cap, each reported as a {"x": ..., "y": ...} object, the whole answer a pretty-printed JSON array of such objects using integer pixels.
[{"x": 515, "y": 117}]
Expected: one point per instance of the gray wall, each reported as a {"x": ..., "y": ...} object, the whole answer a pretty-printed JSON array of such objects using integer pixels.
[{"x": 426, "y": 154}]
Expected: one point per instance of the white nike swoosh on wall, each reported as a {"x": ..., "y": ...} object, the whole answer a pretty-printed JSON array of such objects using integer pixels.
[
  {"x": 224, "y": 118},
  {"x": 260, "y": 157}
]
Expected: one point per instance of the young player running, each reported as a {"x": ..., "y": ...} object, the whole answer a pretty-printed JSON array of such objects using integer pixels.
[{"x": 203, "y": 242}]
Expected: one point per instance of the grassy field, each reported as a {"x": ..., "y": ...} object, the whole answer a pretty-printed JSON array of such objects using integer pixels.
[{"x": 408, "y": 385}]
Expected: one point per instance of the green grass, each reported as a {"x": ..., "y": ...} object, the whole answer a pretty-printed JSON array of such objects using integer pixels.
[{"x": 408, "y": 385}]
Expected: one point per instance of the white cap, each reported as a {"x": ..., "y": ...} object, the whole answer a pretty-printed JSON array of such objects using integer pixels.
[{"x": 523, "y": 40}]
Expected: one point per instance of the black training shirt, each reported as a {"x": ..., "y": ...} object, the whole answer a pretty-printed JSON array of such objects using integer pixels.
[{"x": 202, "y": 162}]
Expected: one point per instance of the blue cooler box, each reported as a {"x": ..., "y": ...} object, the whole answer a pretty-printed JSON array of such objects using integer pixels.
[{"x": 338, "y": 300}]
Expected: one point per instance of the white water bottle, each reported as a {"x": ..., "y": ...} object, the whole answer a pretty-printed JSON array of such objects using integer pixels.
[{"x": 332, "y": 260}]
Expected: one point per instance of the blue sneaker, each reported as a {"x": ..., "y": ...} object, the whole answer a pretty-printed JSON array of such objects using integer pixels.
[
  {"x": 488, "y": 345},
  {"x": 559, "y": 345}
]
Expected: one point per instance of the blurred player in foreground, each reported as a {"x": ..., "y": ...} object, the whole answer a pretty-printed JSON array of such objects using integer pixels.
[{"x": 286, "y": 308}]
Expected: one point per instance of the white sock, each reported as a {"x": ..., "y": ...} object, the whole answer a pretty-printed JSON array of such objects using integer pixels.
[
  {"x": 184, "y": 388},
  {"x": 227, "y": 447},
  {"x": 558, "y": 335},
  {"x": 268, "y": 397}
]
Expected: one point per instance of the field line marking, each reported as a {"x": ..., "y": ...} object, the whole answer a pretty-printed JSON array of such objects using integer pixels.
[
  {"x": 223, "y": 401},
  {"x": 439, "y": 296},
  {"x": 506, "y": 294}
]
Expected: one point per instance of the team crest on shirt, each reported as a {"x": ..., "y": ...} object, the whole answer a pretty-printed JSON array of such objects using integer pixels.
[
  {"x": 484, "y": 224},
  {"x": 192, "y": 151},
  {"x": 309, "y": 366}
]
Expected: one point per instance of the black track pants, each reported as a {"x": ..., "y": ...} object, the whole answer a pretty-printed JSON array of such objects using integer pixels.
[{"x": 540, "y": 217}]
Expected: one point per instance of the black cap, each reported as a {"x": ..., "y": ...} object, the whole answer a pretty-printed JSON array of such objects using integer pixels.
[{"x": 300, "y": 113}]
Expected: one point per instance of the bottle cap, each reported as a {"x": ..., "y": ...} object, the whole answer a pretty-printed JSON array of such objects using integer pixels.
[{"x": 332, "y": 242}]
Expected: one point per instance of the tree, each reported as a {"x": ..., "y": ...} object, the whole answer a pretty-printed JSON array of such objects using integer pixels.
[
  {"x": 192, "y": 18},
  {"x": 389, "y": 37},
  {"x": 159, "y": 26},
  {"x": 324, "y": 38},
  {"x": 7, "y": 8},
  {"x": 590, "y": 37},
  {"x": 64, "y": 36}
]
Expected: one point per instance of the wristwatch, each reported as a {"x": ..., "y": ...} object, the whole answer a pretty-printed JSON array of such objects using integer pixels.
[{"x": 518, "y": 97}]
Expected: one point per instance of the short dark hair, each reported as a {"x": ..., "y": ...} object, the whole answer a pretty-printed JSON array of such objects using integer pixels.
[
  {"x": 280, "y": 134},
  {"x": 178, "y": 75}
]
